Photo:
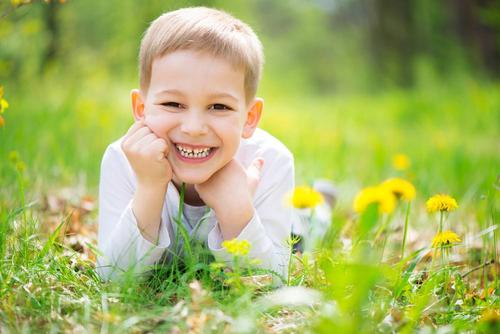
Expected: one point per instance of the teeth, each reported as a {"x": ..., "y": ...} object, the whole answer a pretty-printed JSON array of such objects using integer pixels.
[{"x": 196, "y": 153}]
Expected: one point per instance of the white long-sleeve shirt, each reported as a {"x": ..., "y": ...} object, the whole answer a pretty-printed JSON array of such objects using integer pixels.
[{"x": 123, "y": 246}]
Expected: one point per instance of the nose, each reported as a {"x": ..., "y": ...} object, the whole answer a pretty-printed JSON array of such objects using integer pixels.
[{"x": 194, "y": 124}]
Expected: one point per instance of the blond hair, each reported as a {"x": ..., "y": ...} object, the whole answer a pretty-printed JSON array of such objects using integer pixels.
[{"x": 203, "y": 29}]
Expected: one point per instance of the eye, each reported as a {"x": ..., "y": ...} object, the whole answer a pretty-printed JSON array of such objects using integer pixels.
[
  {"x": 172, "y": 104},
  {"x": 220, "y": 106}
]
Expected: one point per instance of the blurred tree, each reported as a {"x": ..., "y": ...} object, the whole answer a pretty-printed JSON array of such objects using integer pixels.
[
  {"x": 478, "y": 25},
  {"x": 390, "y": 41},
  {"x": 399, "y": 33},
  {"x": 52, "y": 27}
]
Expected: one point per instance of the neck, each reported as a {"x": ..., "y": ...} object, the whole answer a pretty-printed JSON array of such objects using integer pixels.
[{"x": 191, "y": 196}]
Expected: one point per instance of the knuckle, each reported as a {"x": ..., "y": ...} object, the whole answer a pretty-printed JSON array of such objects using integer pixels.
[
  {"x": 126, "y": 147},
  {"x": 163, "y": 144},
  {"x": 148, "y": 137},
  {"x": 159, "y": 142}
]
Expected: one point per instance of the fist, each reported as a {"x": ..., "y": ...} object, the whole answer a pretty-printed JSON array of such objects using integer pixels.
[
  {"x": 232, "y": 184},
  {"x": 229, "y": 192},
  {"x": 147, "y": 154}
]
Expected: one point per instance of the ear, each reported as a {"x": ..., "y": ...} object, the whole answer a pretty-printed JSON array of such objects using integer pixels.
[
  {"x": 137, "y": 104},
  {"x": 253, "y": 117}
]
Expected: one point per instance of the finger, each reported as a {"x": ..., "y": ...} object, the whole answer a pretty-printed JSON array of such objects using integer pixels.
[
  {"x": 143, "y": 143},
  {"x": 137, "y": 135},
  {"x": 255, "y": 168},
  {"x": 131, "y": 131},
  {"x": 136, "y": 126},
  {"x": 253, "y": 173},
  {"x": 160, "y": 145}
]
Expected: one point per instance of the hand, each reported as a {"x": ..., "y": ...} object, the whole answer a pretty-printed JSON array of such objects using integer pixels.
[
  {"x": 147, "y": 154},
  {"x": 229, "y": 192}
]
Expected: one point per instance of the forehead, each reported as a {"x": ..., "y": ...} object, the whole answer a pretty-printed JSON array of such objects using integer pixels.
[{"x": 196, "y": 73}]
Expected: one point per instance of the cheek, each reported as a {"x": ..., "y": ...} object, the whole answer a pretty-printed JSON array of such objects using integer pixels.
[
  {"x": 160, "y": 124},
  {"x": 231, "y": 140},
  {"x": 231, "y": 129}
]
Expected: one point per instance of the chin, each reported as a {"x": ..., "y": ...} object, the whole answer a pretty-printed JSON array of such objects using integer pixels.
[{"x": 192, "y": 179}]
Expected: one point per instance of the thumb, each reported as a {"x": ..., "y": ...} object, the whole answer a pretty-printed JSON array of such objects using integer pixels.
[
  {"x": 253, "y": 173},
  {"x": 255, "y": 167}
]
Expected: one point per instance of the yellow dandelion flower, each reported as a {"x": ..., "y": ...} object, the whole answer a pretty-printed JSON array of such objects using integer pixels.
[
  {"x": 237, "y": 247},
  {"x": 305, "y": 197},
  {"x": 401, "y": 162},
  {"x": 441, "y": 202},
  {"x": 445, "y": 238},
  {"x": 379, "y": 195},
  {"x": 400, "y": 188}
]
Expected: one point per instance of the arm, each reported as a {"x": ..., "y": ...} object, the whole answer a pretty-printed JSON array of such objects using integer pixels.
[
  {"x": 147, "y": 155},
  {"x": 268, "y": 228},
  {"x": 130, "y": 228},
  {"x": 147, "y": 206}
]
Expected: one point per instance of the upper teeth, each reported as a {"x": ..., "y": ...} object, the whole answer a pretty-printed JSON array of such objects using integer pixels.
[{"x": 197, "y": 152}]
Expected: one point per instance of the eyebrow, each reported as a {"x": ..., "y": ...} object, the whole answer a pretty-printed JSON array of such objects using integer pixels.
[{"x": 215, "y": 95}]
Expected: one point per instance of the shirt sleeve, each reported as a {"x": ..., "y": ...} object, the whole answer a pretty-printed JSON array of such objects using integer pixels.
[
  {"x": 120, "y": 241},
  {"x": 270, "y": 227}
]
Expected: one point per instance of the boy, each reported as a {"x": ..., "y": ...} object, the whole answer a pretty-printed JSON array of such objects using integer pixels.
[{"x": 196, "y": 118}]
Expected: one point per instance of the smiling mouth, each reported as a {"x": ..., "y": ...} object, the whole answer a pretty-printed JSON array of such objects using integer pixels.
[{"x": 197, "y": 153}]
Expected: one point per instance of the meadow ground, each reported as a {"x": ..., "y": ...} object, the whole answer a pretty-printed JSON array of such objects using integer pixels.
[{"x": 355, "y": 281}]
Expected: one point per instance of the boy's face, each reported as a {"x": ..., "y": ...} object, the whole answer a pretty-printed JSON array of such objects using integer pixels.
[{"x": 196, "y": 102}]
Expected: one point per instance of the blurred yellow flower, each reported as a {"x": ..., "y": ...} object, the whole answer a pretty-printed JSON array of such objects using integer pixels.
[
  {"x": 3, "y": 105},
  {"x": 401, "y": 161},
  {"x": 20, "y": 166},
  {"x": 305, "y": 197},
  {"x": 441, "y": 202},
  {"x": 237, "y": 247},
  {"x": 400, "y": 188},
  {"x": 217, "y": 266},
  {"x": 490, "y": 315},
  {"x": 255, "y": 262},
  {"x": 445, "y": 238},
  {"x": 16, "y": 3},
  {"x": 380, "y": 195},
  {"x": 14, "y": 157},
  {"x": 2, "y": 121}
]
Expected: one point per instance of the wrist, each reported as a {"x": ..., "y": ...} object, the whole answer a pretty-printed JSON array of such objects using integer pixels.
[
  {"x": 232, "y": 203},
  {"x": 152, "y": 186},
  {"x": 232, "y": 220},
  {"x": 147, "y": 206}
]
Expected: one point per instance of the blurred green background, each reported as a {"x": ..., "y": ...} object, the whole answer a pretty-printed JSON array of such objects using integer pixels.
[{"x": 347, "y": 85}]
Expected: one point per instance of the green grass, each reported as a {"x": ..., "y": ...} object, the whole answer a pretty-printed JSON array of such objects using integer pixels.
[{"x": 449, "y": 132}]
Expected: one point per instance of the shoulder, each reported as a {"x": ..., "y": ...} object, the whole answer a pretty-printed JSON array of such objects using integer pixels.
[
  {"x": 265, "y": 145},
  {"x": 116, "y": 171},
  {"x": 278, "y": 173},
  {"x": 114, "y": 151},
  {"x": 116, "y": 146},
  {"x": 114, "y": 158}
]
